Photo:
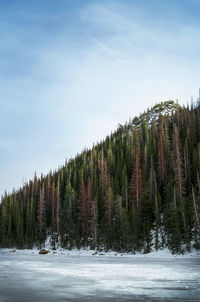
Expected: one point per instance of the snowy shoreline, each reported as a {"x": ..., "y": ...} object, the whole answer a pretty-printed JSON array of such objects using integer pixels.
[{"x": 165, "y": 253}]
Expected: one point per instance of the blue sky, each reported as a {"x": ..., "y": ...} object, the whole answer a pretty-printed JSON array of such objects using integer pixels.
[{"x": 70, "y": 71}]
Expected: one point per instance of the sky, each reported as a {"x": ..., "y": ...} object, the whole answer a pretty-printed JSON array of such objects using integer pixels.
[{"x": 71, "y": 70}]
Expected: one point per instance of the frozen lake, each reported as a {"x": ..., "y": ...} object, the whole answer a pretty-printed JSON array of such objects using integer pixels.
[{"x": 33, "y": 277}]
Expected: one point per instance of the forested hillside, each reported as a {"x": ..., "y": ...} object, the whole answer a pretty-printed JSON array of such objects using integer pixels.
[{"x": 137, "y": 190}]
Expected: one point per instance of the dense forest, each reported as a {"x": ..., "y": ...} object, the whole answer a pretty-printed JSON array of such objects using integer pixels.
[{"x": 137, "y": 190}]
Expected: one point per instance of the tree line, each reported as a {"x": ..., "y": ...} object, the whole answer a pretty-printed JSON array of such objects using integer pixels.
[{"x": 137, "y": 190}]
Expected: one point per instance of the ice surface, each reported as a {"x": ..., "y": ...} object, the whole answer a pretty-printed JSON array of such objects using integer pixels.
[{"x": 28, "y": 276}]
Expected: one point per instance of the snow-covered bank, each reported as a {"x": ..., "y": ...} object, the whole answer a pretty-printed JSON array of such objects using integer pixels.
[
  {"x": 165, "y": 253},
  {"x": 162, "y": 253}
]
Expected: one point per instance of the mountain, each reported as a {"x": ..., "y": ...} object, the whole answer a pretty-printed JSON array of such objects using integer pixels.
[{"x": 137, "y": 190}]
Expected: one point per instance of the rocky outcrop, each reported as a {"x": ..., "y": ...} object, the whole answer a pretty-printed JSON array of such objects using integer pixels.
[{"x": 43, "y": 251}]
